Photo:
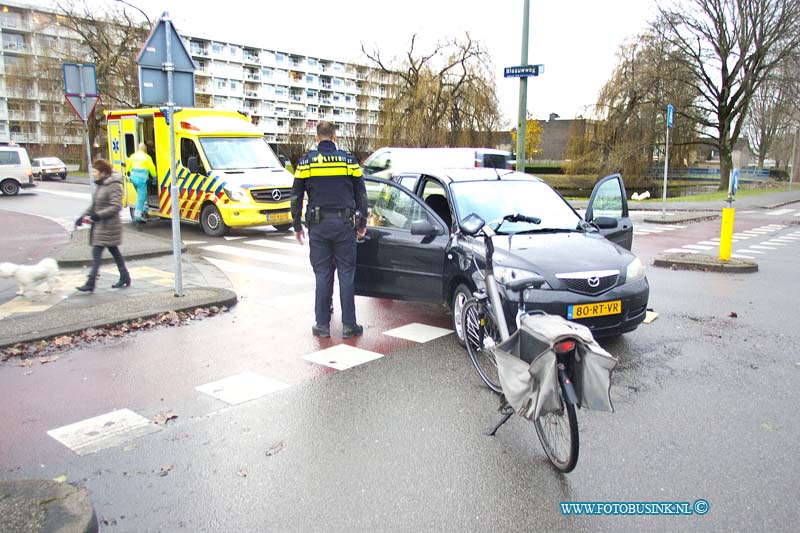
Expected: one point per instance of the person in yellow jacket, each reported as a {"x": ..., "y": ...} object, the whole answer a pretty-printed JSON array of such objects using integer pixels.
[{"x": 140, "y": 168}]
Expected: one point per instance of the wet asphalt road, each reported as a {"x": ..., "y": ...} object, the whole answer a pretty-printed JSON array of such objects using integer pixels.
[{"x": 704, "y": 409}]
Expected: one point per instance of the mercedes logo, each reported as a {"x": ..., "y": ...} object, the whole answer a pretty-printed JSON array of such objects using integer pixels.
[
  {"x": 276, "y": 194},
  {"x": 594, "y": 281}
]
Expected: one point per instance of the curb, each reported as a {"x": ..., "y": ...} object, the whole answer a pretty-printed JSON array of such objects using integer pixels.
[
  {"x": 680, "y": 219},
  {"x": 107, "y": 259},
  {"x": 53, "y": 323},
  {"x": 706, "y": 263},
  {"x": 43, "y": 505}
]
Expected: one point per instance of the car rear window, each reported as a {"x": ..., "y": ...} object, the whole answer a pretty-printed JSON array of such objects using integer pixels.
[
  {"x": 51, "y": 161},
  {"x": 494, "y": 160}
]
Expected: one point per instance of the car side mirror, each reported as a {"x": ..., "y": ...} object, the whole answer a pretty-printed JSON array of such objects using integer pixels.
[
  {"x": 424, "y": 227},
  {"x": 605, "y": 222},
  {"x": 472, "y": 224},
  {"x": 193, "y": 165}
]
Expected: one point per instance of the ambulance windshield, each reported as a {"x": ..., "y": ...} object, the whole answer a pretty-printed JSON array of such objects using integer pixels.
[{"x": 236, "y": 153}]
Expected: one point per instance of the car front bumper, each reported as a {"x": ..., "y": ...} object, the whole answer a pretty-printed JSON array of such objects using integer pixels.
[
  {"x": 634, "y": 297},
  {"x": 241, "y": 215}
]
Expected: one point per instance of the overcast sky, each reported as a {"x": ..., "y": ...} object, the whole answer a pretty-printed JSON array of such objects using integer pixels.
[{"x": 575, "y": 40}]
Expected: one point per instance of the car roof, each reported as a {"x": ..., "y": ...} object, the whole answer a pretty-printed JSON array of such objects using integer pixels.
[{"x": 452, "y": 175}]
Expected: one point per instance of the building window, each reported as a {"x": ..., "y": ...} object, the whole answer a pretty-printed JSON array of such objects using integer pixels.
[
  {"x": 280, "y": 58},
  {"x": 266, "y": 72},
  {"x": 217, "y": 48}
]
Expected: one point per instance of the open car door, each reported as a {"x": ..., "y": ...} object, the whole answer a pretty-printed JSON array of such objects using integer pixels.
[
  {"x": 402, "y": 255},
  {"x": 608, "y": 210}
]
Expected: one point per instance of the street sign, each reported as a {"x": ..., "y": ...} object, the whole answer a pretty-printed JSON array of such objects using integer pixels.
[
  {"x": 80, "y": 87},
  {"x": 670, "y": 113},
  {"x": 523, "y": 71},
  {"x": 155, "y": 62},
  {"x": 83, "y": 112}
]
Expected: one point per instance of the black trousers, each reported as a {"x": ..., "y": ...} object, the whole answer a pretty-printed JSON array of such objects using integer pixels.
[
  {"x": 333, "y": 238},
  {"x": 97, "y": 253}
]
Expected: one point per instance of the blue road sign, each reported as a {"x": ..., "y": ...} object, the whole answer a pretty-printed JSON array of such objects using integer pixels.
[
  {"x": 670, "y": 113},
  {"x": 523, "y": 71}
]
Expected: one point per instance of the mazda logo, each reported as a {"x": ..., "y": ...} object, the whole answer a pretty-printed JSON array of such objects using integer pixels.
[
  {"x": 276, "y": 194},
  {"x": 594, "y": 281}
]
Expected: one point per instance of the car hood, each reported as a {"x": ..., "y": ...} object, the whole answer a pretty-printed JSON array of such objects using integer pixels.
[
  {"x": 256, "y": 177},
  {"x": 549, "y": 254}
]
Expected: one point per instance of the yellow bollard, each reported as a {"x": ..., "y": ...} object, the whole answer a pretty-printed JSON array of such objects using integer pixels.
[{"x": 726, "y": 234}]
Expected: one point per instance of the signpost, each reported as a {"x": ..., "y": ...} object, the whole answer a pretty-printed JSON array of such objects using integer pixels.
[
  {"x": 166, "y": 77},
  {"x": 522, "y": 72},
  {"x": 670, "y": 114},
  {"x": 80, "y": 90}
]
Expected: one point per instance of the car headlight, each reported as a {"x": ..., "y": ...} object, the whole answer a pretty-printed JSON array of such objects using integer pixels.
[
  {"x": 634, "y": 271},
  {"x": 237, "y": 194},
  {"x": 505, "y": 274}
]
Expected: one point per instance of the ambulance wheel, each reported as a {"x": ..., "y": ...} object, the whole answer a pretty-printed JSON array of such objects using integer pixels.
[
  {"x": 282, "y": 227},
  {"x": 211, "y": 221}
]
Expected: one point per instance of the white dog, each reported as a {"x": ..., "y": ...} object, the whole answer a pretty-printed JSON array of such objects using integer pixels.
[{"x": 28, "y": 276}]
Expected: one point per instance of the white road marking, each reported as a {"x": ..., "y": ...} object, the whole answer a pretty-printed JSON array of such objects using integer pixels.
[
  {"x": 278, "y": 245},
  {"x": 760, "y": 247},
  {"x": 775, "y": 242},
  {"x": 749, "y": 251},
  {"x": 418, "y": 332},
  {"x": 680, "y": 250},
  {"x": 711, "y": 243},
  {"x": 740, "y": 256},
  {"x": 242, "y": 387},
  {"x": 779, "y": 212},
  {"x": 342, "y": 357},
  {"x": 258, "y": 272},
  {"x": 234, "y": 238},
  {"x": 697, "y": 247},
  {"x": 66, "y": 194},
  {"x": 104, "y": 431},
  {"x": 258, "y": 255}
]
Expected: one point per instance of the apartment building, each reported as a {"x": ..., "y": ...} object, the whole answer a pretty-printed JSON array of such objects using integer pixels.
[
  {"x": 33, "y": 111},
  {"x": 285, "y": 94}
]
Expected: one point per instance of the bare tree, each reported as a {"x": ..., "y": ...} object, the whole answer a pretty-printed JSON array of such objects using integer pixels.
[
  {"x": 730, "y": 47},
  {"x": 111, "y": 39},
  {"x": 439, "y": 98}
]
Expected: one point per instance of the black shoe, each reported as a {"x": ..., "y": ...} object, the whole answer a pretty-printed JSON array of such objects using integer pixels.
[
  {"x": 352, "y": 331},
  {"x": 124, "y": 280},
  {"x": 88, "y": 286},
  {"x": 321, "y": 331}
]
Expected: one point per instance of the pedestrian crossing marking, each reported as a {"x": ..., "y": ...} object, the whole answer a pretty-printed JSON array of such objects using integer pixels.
[
  {"x": 750, "y": 251},
  {"x": 278, "y": 245},
  {"x": 227, "y": 238},
  {"x": 259, "y": 255},
  {"x": 342, "y": 357},
  {"x": 242, "y": 387},
  {"x": 697, "y": 247},
  {"x": 775, "y": 242},
  {"x": 258, "y": 272},
  {"x": 740, "y": 256},
  {"x": 759, "y": 247},
  {"x": 780, "y": 212},
  {"x": 104, "y": 431},
  {"x": 681, "y": 250},
  {"x": 418, "y": 332}
]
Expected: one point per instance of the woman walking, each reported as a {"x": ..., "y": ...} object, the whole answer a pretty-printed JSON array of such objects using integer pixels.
[{"x": 106, "y": 229}]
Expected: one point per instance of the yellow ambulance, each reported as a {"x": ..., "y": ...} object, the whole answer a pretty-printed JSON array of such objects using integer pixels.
[{"x": 227, "y": 174}]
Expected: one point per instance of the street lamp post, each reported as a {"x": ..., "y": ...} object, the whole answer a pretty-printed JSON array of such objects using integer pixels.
[{"x": 150, "y": 24}]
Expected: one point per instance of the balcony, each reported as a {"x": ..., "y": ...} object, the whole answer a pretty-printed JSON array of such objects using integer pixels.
[
  {"x": 250, "y": 58},
  {"x": 12, "y": 46},
  {"x": 252, "y": 76},
  {"x": 251, "y": 94},
  {"x": 12, "y": 23},
  {"x": 24, "y": 138},
  {"x": 201, "y": 52}
]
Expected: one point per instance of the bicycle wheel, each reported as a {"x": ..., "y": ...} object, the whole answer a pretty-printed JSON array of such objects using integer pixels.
[
  {"x": 481, "y": 336},
  {"x": 558, "y": 433}
]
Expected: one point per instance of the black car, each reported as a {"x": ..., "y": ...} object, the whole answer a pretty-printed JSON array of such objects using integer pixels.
[{"x": 414, "y": 249}]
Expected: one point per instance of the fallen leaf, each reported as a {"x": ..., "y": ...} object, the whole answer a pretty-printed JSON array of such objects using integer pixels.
[
  {"x": 732, "y": 314},
  {"x": 50, "y": 359},
  {"x": 66, "y": 340},
  {"x": 275, "y": 449},
  {"x": 164, "y": 416},
  {"x": 60, "y": 479},
  {"x": 26, "y": 362},
  {"x": 165, "y": 470}
]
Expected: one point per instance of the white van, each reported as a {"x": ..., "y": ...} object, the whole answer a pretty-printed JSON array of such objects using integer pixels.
[
  {"x": 386, "y": 162},
  {"x": 15, "y": 169}
]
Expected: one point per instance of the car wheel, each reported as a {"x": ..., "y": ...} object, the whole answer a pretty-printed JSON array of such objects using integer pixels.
[
  {"x": 211, "y": 221},
  {"x": 64, "y": 176},
  {"x": 460, "y": 296},
  {"x": 282, "y": 227},
  {"x": 9, "y": 187}
]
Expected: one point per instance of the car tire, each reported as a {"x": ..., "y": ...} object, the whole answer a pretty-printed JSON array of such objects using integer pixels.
[
  {"x": 211, "y": 221},
  {"x": 459, "y": 298},
  {"x": 9, "y": 187},
  {"x": 63, "y": 176}
]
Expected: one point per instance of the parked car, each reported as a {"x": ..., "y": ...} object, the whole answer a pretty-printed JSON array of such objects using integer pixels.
[
  {"x": 414, "y": 249},
  {"x": 389, "y": 161},
  {"x": 15, "y": 169},
  {"x": 49, "y": 167}
]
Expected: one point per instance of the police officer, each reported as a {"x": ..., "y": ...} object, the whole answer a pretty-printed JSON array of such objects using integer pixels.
[{"x": 337, "y": 201}]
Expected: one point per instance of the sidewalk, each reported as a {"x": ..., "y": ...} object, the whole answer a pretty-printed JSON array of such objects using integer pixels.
[{"x": 152, "y": 265}]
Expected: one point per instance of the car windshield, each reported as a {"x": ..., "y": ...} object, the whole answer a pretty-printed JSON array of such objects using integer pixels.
[
  {"x": 233, "y": 153},
  {"x": 50, "y": 161},
  {"x": 494, "y": 199}
]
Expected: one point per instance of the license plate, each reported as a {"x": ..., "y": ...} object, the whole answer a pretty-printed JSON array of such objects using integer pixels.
[
  {"x": 575, "y": 312},
  {"x": 278, "y": 217}
]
